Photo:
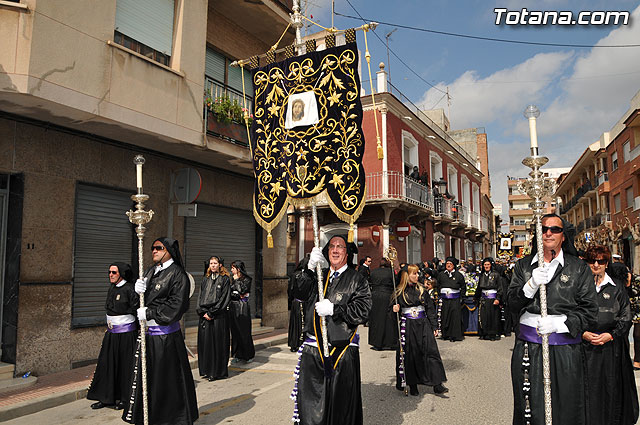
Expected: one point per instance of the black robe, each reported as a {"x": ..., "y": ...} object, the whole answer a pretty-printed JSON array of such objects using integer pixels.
[
  {"x": 334, "y": 399},
  {"x": 383, "y": 326},
  {"x": 213, "y": 335},
  {"x": 612, "y": 397},
  {"x": 571, "y": 292},
  {"x": 240, "y": 320},
  {"x": 489, "y": 317},
  {"x": 112, "y": 379},
  {"x": 422, "y": 362},
  {"x": 170, "y": 386},
  {"x": 451, "y": 312},
  {"x": 296, "y": 313}
]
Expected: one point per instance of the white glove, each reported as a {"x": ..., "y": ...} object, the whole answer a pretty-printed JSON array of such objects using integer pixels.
[
  {"x": 142, "y": 313},
  {"x": 315, "y": 258},
  {"x": 324, "y": 308},
  {"x": 141, "y": 285},
  {"x": 540, "y": 276},
  {"x": 550, "y": 324}
]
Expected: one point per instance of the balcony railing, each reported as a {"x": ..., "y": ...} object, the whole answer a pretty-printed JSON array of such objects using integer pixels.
[
  {"x": 394, "y": 185},
  {"x": 604, "y": 177},
  {"x": 217, "y": 89}
]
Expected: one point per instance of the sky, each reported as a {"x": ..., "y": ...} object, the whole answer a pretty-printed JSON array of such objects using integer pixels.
[{"x": 581, "y": 91}]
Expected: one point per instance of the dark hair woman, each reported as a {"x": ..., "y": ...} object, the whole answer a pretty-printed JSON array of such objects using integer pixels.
[
  {"x": 297, "y": 307},
  {"x": 213, "y": 329},
  {"x": 241, "y": 342},
  {"x": 422, "y": 362},
  {"x": 383, "y": 329},
  {"x": 611, "y": 395}
]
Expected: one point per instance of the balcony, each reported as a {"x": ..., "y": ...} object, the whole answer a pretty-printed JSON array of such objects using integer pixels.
[
  {"x": 235, "y": 131},
  {"x": 392, "y": 185}
]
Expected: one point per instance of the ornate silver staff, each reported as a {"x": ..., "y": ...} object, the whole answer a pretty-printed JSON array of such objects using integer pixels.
[
  {"x": 538, "y": 187},
  {"x": 391, "y": 254},
  {"x": 140, "y": 217},
  {"x": 316, "y": 243}
]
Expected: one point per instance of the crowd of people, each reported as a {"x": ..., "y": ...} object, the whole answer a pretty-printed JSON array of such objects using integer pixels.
[{"x": 224, "y": 329}]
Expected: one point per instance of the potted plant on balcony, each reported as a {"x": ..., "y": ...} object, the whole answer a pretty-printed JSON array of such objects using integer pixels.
[{"x": 225, "y": 118}]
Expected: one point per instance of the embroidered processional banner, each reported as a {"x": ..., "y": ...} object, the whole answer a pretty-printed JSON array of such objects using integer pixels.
[{"x": 306, "y": 136}]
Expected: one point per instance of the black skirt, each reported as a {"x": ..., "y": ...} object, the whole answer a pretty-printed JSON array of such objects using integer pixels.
[
  {"x": 112, "y": 379},
  {"x": 567, "y": 383},
  {"x": 383, "y": 328},
  {"x": 489, "y": 318},
  {"x": 240, "y": 324},
  {"x": 213, "y": 346},
  {"x": 451, "y": 319},
  {"x": 336, "y": 400},
  {"x": 170, "y": 386},
  {"x": 296, "y": 324},
  {"x": 422, "y": 361}
]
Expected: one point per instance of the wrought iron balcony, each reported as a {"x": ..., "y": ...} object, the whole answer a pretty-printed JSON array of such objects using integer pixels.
[{"x": 392, "y": 185}]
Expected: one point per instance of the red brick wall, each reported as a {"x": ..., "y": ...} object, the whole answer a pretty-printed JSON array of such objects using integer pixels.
[{"x": 622, "y": 178}]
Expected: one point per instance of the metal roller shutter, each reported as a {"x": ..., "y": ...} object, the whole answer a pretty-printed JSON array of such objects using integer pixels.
[
  {"x": 149, "y": 22},
  {"x": 225, "y": 232},
  {"x": 103, "y": 235}
]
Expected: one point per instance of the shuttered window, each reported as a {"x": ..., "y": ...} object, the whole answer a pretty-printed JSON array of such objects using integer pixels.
[
  {"x": 103, "y": 235},
  {"x": 215, "y": 65},
  {"x": 218, "y": 67},
  {"x": 149, "y": 22},
  {"x": 225, "y": 232}
]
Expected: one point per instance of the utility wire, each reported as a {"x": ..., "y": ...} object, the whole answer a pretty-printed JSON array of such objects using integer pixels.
[
  {"x": 476, "y": 37},
  {"x": 394, "y": 53}
]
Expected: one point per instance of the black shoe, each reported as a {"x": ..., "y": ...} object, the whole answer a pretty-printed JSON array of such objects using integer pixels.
[
  {"x": 399, "y": 387},
  {"x": 413, "y": 390},
  {"x": 440, "y": 389},
  {"x": 119, "y": 406},
  {"x": 98, "y": 405}
]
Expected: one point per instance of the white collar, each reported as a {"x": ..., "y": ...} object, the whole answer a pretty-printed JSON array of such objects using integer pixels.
[
  {"x": 163, "y": 266},
  {"x": 340, "y": 270},
  {"x": 122, "y": 282},
  {"x": 607, "y": 279},
  {"x": 558, "y": 259}
]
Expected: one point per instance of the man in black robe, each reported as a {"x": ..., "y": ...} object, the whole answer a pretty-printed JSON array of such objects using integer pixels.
[
  {"x": 452, "y": 289},
  {"x": 171, "y": 391},
  {"x": 488, "y": 296},
  {"x": 572, "y": 309},
  {"x": 327, "y": 390}
]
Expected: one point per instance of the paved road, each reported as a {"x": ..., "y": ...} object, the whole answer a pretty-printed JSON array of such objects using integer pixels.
[{"x": 258, "y": 393}]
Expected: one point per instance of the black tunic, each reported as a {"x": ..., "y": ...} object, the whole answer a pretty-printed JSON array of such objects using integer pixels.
[
  {"x": 171, "y": 391},
  {"x": 112, "y": 379},
  {"x": 334, "y": 399},
  {"x": 451, "y": 312},
  {"x": 612, "y": 397},
  {"x": 383, "y": 327},
  {"x": 213, "y": 335},
  {"x": 571, "y": 292},
  {"x": 241, "y": 341},
  {"x": 489, "y": 316},
  {"x": 297, "y": 313},
  {"x": 422, "y": 362}
]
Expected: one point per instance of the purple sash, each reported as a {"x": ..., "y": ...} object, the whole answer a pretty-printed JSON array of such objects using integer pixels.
[
  {"x": 245, "y": 299},
  {"x": 120, "y": 329},
  {"x": 451, "y": 296},
  {"x": 492, "y": 296},
  {"x": 415, "y": 314},
  {"x": 529, "y": 333},
  {"x": 163, "y": 330},
  {"x": 354, "y": 341}
]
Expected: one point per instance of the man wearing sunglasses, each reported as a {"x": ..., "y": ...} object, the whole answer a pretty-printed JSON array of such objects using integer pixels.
[
  {"x": 170, "y": 388},
  {"x": 572, "y": 308}
]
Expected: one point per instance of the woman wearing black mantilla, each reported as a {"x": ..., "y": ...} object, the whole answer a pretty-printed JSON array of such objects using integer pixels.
[{"x": 240, "y": 314}]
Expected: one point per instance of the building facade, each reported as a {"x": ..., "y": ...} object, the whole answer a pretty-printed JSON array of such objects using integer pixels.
[
  {"x": 400, "y": 211},
  {"x": 82, "y": 90}
]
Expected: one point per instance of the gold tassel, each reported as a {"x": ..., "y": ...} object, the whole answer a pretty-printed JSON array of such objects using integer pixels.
[
  {"x": 380, "y": 151},
  {"x": 350, "y": 237},
  {"x": 269, "y": 240}
]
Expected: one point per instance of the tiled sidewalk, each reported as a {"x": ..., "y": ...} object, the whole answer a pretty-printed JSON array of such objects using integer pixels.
[{"x": 64, "y": 387}]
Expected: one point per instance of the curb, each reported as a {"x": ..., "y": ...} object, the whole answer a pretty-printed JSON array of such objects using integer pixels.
[{"x": 58, "y": 399}]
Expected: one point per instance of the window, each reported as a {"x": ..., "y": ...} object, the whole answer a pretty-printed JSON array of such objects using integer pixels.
[
  {"x": 629, "y": 193},
  {"x": 439, "y": 245},
  {"x": 409, "y": 152},
  {"x": 616, "y": 203},
  {"x": 218, "y": 68},
  {"x": 465, "y": 192},
  {"x": 452, "y": 180},
  {"x": 436, "y": 166},
  {"x": 614, "y": 161},
  {"x": 626, "y": 151},
  {"x": 520, "y": 222},
  {"x": 520, "y": 237},
  {"x": 146, "y": 27},
  {"x": 476, "y": 197}
]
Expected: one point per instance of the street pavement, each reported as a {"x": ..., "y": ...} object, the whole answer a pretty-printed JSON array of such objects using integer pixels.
[{"x": 258, "y": 392}]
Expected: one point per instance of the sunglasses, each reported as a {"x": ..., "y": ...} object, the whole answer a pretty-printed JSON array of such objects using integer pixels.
[
  {"x": 112, "y": 272},
  {"x": 594, "y": 261},
  {"x": 554, "y": 229},
  {"x": 157, "y": 248}
]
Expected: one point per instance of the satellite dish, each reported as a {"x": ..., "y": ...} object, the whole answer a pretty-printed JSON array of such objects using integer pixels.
[
  {"x": 192, "y": 281},
  {"x": 187, "y": 184}
]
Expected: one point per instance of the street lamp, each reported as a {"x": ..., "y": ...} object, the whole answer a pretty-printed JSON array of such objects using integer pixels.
[
  {"x": 441, "y": 184},
  {"x": 532, "y": 112}
]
